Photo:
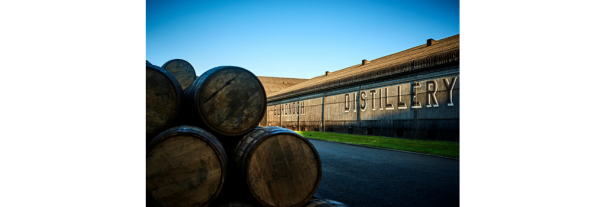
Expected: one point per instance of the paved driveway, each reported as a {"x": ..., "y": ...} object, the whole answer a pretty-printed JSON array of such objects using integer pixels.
[{"x": 360, "y": 176}]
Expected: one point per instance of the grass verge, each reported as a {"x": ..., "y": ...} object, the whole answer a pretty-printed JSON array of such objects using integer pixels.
[{"x": 441, "y": 148}]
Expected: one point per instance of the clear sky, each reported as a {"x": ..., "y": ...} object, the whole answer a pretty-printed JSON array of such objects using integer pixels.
[{"x": 296, "y": 39}]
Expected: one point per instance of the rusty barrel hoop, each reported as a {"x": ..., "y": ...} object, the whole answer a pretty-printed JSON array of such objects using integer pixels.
[{"x": 195, "y": 178}]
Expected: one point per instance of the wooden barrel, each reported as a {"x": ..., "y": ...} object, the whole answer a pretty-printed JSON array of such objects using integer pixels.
[
  {"x": 186, "y": 166},
  {"x": 182, "y": 70},
  {"x": 149, "y": 202},
  {"x": 279, "y": 167},
  {"x": 163, "y": 97},
  {"x": 324, "y": 203},
  {"x": 227, "y": 100}
]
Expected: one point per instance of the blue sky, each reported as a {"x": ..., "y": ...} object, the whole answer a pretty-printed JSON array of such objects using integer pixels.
[{"x": 297, "y": 39}]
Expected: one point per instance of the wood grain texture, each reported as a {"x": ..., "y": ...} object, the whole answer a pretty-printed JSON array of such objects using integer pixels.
[
  {"x": 228, "y": 100},
  {"x": 186, "y": 166},
  {"x": 280, "y": 167},
  {"x": 163, "y": 94},
  {"x": 324, "y": 203},
  {"x": 182, "y": 70},
  {"x": 236, "y": 203}
]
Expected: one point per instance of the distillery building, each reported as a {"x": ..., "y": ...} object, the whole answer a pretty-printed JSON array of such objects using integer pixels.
[
  {"x": 410, "y": 94},
  {"x": 275, "y": 84}
]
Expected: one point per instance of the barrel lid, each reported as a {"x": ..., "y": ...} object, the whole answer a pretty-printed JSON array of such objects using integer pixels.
[
  {"x": 232, "y": 100},
  {"x": 295, "y": 167},
  {"x": 182, "y": 70},
  {"x": 186, "y": 166}
]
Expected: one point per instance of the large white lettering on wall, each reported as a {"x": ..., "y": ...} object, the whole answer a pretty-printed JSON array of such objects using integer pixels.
[
  {"x": 423, "y": 94},
  {"x": 354, "y": 102},
  {"x": 400, "y": 103},
  {"x": 363, "y": 97},
  {"x": 350, "y": 102},
  {"x": 347, "y": 103},
  {"x": 373, "y": 92},
  {"x": 386, "y": 100},
  {"x": 431, "y": 87},
  {"x": 416, "y": 104},
  {"x": 431, "y": 94},
  {"x": 450, "y": 87}
]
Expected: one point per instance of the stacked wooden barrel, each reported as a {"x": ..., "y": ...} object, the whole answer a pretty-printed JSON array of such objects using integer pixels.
[
  {"x": 227, "y": 100},
  {"x": 205, "y": 148},
  {"x": 280, "y": 167},
  {"x": 186, "y": 166},
  {"x": 163, "y": 99},
  {"x": 182, "y": 70}
]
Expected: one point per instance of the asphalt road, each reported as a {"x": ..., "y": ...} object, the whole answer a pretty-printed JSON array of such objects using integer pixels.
[{"x": 360, "y": 176}]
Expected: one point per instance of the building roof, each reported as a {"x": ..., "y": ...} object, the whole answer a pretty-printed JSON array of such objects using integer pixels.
[
  {"x": 434, "y": 52},
  {"x": 275, "y": 84}
]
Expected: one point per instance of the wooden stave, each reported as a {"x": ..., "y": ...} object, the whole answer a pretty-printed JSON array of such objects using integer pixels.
[
  {"x": 176, "y": 109},
  {"x": 191, "y": 74},
  {"x": 241, "y": 157},
  {"x": 191, "y": 96},
  {"x": 196, "y": 132},
  {"x": 243, "y": 147},
  {"x": 188, "y": 129},
  {"x": 149, "y": 202}
]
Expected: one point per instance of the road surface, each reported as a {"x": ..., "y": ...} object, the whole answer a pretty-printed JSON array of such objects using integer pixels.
[{"x": 361, "y": 176}]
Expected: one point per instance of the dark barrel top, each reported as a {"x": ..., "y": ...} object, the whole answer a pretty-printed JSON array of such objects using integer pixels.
[
  {"x": 228, "y": 100},
  {"x": 182, "y": 70}
]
